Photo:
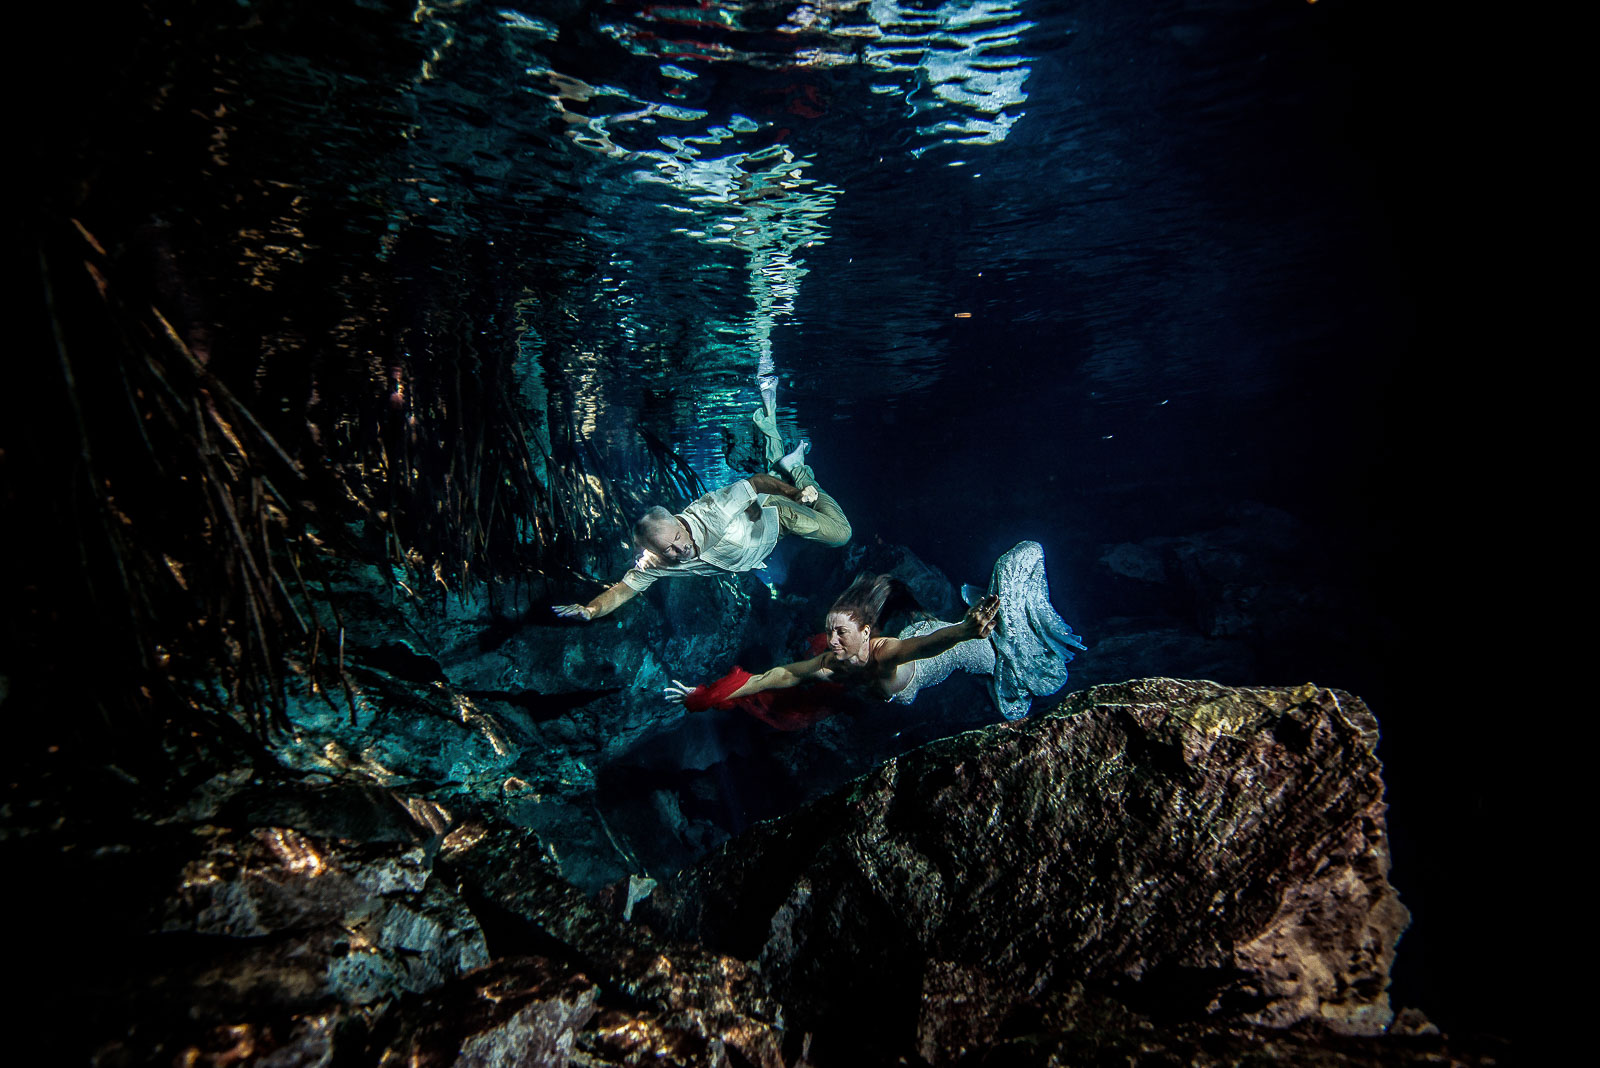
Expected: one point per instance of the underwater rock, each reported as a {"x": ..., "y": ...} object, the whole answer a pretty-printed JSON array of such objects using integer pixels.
[
  {"x": 450, "y": 939},
  {"x": 458, "y": 697},
  {"x": 667, "y": 1003},
  {"x": 820, "y": 576},
  {"x": 932, "y": 588},
  {"x": 300, "y": 921},
  {"x": 249, "y": 943},
  {"x": 1084, "y": 1029},
  {"x": 1193, "y": 853},
  {"x": 454, "y": 698},
  {"x": 522, "y": 1012},
  {"x": 1140, "y": 561}
]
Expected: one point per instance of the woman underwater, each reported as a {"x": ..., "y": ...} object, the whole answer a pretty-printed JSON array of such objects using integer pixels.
[{"x": 1025, "y": 655}]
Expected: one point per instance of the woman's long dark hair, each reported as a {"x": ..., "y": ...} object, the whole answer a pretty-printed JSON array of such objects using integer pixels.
[{"x": 870, "y": 599}]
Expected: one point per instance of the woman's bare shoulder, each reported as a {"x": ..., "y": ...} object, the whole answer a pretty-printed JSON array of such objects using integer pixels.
[{"x": 886, "y": 652}]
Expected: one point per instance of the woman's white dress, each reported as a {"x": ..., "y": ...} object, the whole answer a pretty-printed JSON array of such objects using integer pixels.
[{"x": 1028, "y": 653}]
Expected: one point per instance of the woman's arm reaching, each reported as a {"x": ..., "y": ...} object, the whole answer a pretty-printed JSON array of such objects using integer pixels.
[
  {"x": 979, "y": 622},
  {"x": 786, "y": 675},
  {"x": 779, "y": 678}
]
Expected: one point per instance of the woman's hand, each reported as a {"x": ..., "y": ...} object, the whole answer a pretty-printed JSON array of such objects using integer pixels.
[
  {"x": 677, "y": 692},
  {"x": 981, "y": 617},
  {"x": 808, "y": 495}
]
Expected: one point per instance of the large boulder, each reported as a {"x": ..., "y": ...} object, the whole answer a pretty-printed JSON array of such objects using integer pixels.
[{"x": 1181, "y": 850}]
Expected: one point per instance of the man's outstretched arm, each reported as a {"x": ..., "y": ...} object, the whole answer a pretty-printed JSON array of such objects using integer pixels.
[
  {"x": 609, "y": 601},
  {"x": 768, "y": 484}
]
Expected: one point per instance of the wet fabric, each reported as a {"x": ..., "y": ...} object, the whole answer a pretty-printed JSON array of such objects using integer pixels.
[
  {"x": 755, "y": 445},
  {"x": 1028, "y": 653},
  {"x": 766, "y": 423},
  {"x": 976, "y": 657},
  {"x": 792, "y": 709},
  {"x": 823, "y": 520},
  {"x": 711, "y": 694},
  {"x": 728, "y": 538}
]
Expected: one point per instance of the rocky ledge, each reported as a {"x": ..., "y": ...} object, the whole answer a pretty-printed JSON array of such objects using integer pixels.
[
  {"x": 1152, "y": 869},
  {"x": 1154, "y": 873}
]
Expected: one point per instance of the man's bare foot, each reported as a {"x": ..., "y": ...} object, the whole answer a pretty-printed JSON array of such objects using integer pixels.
[{"x": 798, "y": 456}]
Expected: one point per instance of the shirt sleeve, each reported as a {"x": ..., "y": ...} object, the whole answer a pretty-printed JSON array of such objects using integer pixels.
[{"x": 639, "y": 581}]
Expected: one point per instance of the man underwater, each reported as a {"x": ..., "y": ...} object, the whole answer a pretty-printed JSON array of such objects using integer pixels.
[{"x": 727, "y": 531}]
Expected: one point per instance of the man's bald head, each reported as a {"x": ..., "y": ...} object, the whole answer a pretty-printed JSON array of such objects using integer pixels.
[{"x": 663, "y": 534}]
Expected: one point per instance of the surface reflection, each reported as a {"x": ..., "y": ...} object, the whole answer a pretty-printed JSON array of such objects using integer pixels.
[{"x": 739, "y": 178}]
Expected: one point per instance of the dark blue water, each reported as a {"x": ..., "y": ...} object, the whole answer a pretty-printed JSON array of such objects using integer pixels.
[{"x": 1088, "y": 273}]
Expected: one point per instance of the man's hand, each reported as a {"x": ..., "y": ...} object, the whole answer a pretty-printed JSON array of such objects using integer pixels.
[
  {"x": 677, "y": 692},
  {"x": 608, "y": 601},
  {"x": 776, "y": 487},
  {"x": 981, "y": 616}
]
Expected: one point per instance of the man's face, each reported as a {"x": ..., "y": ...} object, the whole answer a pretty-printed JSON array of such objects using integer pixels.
[{"x": 673, "y": 543}]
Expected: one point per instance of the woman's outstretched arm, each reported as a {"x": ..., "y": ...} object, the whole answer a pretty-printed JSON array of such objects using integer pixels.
[
  {"x": 977, "y": 623},
  {"x": 786, "y": 675},
  {"x": 779, "y": 678}
]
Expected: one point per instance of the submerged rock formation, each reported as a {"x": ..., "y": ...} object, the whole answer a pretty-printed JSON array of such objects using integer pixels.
[
  {"x": 1182, "y": 852},
  {"x": 1154, "y": 873},
  {"x": 317, "y": 923}
]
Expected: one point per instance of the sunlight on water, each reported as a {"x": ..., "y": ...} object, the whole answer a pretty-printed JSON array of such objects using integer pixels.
[
  {"x": 742, "y": 193},
  {"x": 685, "y": 214},
  {"x": 657, "y": 207}
]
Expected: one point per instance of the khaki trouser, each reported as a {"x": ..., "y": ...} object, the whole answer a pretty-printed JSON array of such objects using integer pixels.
[{"x": 823, "y": 520}]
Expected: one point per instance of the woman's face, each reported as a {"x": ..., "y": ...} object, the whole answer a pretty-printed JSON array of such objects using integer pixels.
[{"x": 849, "y": 640}]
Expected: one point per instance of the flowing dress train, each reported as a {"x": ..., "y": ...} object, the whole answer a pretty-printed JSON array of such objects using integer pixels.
[{"x": 1028, "y": 653}]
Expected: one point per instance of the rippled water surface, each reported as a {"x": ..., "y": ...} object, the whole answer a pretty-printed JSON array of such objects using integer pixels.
[{"x": 1077, "y": 230}]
